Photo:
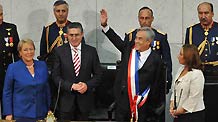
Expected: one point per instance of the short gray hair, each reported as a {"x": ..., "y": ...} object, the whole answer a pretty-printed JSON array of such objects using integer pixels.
[
  {"x": 149, "y": 32},
  {"x": 24, "y": 41},
  {"x": 1, "y": 8}
]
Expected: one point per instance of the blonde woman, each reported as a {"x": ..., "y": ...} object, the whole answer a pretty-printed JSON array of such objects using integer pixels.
[{"x": 26, "y": 93}]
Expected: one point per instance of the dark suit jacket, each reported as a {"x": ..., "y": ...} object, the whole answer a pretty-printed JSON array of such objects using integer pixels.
[
  {"x": 161, "y": 47},
  {"x": 149, "y": 74},
  {"x": 63, "y": 71}
]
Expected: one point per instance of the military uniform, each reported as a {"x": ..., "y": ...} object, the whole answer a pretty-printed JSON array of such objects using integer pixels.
[
  {"x": 205, "y": 40},
  {"x": 52, "y": 36},
  {"x": 8, "y": 49},
  {"x": 161, "y": 46}
]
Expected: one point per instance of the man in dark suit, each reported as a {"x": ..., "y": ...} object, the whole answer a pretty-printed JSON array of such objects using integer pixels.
[
  {"x": 140, "y": 61},
  {"x": 77, "y": 69},
  {"x": 8, "y": 47},
  {"x": 159, "y": 45}
]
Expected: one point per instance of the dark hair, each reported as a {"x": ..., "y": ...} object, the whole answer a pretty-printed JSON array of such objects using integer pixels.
[
  {"x": 75, "y": 25},
  {"x": 210, "y": 4},
  {"x": 192, "y": 57},
  {"x": 144, "y": 8},
  {"x": 60, "y": 2}
]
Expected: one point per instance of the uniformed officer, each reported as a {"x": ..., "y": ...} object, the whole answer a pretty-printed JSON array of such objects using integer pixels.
[
  {"x": 205, "y": 36},
  {"x": 54, "y": 34},
  {"x": 160, "y": 43},
  {"x": 8, "y": 47}
]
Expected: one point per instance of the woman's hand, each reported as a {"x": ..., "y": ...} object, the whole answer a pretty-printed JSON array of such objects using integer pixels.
[
  {"x": 173, "y": 113},
  {"x": 9, "y": 117}
]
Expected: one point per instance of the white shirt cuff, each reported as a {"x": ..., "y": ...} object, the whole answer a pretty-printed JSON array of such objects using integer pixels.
[{"x": 105, "y": 29}]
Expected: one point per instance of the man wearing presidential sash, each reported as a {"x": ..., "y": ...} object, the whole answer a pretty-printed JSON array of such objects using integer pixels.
[
  {"x": 159, "y": 45},
  {"x": 139, "y": 83},
  {"x": 8, "y": 47},
  {"x": 205, "y": 36}
]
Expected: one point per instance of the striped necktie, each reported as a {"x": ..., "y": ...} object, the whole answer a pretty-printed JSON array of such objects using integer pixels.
[{"x": 76, "y": 61}]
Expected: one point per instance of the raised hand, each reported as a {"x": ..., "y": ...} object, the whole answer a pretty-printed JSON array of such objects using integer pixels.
[{"x": 103, "y": 17}]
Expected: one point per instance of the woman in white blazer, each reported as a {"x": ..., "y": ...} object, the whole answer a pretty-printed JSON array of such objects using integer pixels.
[{"x": 187, "y": 103}]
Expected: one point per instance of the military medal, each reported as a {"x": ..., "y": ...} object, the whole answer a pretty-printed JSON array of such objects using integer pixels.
[
  {"x": 11, "y": 44},
  {"x": 7, "y": 44},
  {"x": 158, "y": 47},
  {"x": 61, "y": 32},
  {"x": 212, "y": 43},
  {"x": 11, "y": 41},
  {"x": 6, "y": 40},
  {"x": 217, "y": 42},
  {"x": 205, "y": 33},
  {"x": 158, "y": 42},
  {"x": 65, "y": 38}
]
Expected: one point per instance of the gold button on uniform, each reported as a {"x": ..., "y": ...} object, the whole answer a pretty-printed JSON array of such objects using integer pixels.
[{"x": 206, "y": 55}]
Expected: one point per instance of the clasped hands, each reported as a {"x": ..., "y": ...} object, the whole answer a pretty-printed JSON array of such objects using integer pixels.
[
  {"x": 175, "y": 113},
  {"x": 80, "y": 87}
]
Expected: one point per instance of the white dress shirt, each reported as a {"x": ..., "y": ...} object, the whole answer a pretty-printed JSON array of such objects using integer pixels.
[
  {"x": 143, "y": 57},
  {"x": 79, "y": 51},
  {"x": 189, "y": 90}
]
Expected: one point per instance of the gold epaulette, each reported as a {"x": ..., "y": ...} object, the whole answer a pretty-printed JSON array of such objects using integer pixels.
[
  {"x": 49, "y": 24},
  {"x": 190, "y": 33},
  {"x": 130, "y": 34},
  {"x": 131, "y": 31},
  {"x": 192, "y": 25},
  {"x": 161, "y": 32}
]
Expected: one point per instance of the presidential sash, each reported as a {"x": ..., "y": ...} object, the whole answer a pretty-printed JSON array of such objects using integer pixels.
[{"x": 136, "y": 99}]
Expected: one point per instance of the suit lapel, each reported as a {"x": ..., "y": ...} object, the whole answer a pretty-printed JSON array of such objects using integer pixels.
[
  {"x": 84, "y": 57},
  {"x": 68, "y": 56},
  {"x": 148, "y": 61}
]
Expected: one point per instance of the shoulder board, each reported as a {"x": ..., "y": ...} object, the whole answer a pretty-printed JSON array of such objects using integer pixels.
[
  {"x": 131, "y": 31},
  {"x": 161, "y": 32},
  {"x": 192, "y": 25},
  {"x": 49, "y": 24}
]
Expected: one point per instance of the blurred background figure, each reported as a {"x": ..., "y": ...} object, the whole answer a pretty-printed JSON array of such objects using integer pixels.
[{"x": 8, "y": 47}]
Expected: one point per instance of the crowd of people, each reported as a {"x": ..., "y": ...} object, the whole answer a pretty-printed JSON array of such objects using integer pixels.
[{"x": 28, "y": 87}]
